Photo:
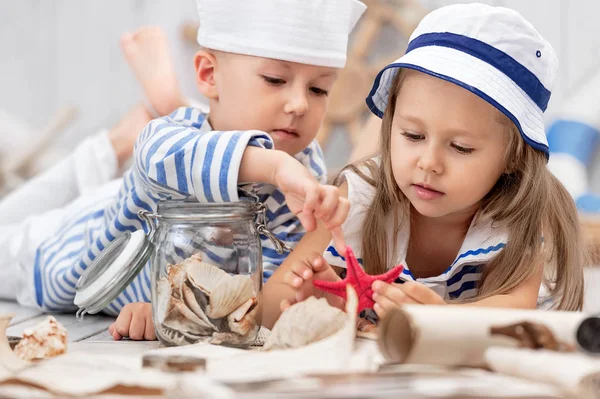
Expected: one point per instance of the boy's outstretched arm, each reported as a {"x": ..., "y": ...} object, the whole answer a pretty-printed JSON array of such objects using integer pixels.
[
  {"x": 176, "y": 161},
  {"x": 177, "y": 156}
]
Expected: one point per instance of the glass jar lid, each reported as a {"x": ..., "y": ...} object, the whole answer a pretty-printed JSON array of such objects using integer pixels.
[{"x": 111, "y": 272}]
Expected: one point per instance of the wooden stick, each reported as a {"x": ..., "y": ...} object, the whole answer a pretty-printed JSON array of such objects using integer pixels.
[
  {"x": 368, "y": 141},
  {"x": 60, "y": 121},
  {"x": 355, "y": 127},
  {"x": 189, "y": 31},
  {"x": 379, "y": 64},
  {"x": 407, "y": 17},
  {"x": 323, "y": 134},
  {"x": 367, "y": 32}
]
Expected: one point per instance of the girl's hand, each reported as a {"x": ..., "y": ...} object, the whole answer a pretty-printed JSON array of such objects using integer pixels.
[
  {"x": 135, "y": 322},
  {"x": 388, "y": 296},
  {"x": 301, "y": 277}
]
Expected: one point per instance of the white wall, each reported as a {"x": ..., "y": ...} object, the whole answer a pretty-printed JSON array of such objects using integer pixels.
[
  {"x": 62, "y": 52},
  {"x": 66, "y": 52}
]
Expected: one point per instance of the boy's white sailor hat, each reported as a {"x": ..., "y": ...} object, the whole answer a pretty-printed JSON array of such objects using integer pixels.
[
  {"x": 491, "y": 51},
  {"x": 311, "y": 32}
]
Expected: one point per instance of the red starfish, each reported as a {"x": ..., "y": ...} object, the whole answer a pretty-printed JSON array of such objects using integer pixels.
[{"x": 357, "y": 278}]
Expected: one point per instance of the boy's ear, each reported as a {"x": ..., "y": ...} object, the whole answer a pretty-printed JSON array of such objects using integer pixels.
[{"x": 206, "y": 65}]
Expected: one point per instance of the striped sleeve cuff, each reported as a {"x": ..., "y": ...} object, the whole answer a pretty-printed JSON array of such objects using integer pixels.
[
  {"x": 216, "y": 163},
  {"x": 312, "y": 158},
  {"x": 333, "y": 257}
]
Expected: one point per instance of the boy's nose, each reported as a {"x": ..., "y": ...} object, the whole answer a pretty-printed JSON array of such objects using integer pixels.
[{"x": 297, "y": 104}]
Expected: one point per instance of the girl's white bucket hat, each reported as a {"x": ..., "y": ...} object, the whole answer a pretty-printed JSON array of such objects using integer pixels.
[{"x": 491, "y": 51}]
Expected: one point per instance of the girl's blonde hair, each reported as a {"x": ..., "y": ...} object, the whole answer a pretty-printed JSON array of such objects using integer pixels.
[{"x": 534, "y": 207}]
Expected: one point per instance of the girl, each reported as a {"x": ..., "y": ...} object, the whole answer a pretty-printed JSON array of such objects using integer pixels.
[{"x": 460, "y": 194}]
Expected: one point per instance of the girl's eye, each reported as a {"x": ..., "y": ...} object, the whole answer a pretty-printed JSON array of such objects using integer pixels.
[
  {"x": 462, "y": 150},
  {"x": 319, "y": 92},
  {"x": 273, "y": 81},
  {"x": 412, "y": 136}
]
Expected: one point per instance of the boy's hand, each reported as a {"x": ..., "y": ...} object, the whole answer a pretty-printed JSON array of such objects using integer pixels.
[
  {"x": 135, "y": 322},
  {"x": 310, "y": 200},
  {"x": 388, "y": 296},
  {"x": 301, "y": 276}
]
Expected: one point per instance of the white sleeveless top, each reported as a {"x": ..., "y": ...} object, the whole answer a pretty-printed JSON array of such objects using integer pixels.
[{"x": 459, "y": 281}]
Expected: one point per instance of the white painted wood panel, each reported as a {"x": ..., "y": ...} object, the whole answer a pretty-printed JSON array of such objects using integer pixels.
[
  {"x": 90, "y": 327},
  {"x": 77, "y": 330},
  {"x": 21, "y": 314}
]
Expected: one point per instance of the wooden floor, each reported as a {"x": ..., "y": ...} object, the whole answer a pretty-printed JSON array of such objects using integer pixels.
[
  {"x": 92, "y": 327},
  {"x": 89, "y": 335}
]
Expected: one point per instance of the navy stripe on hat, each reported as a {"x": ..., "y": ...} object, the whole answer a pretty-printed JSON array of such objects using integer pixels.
[
  {"x": 518, "y": 73},
  {"x": 376, "y": 86}
]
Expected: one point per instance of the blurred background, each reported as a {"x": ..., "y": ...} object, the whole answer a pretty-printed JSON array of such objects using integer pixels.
[
  {"x": 65, "y": 53},
  {"x": 63, "y": 76}
]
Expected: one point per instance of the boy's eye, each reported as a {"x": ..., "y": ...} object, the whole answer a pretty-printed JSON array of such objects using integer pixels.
[
  {"x": 319, "y": 92},
  {"x": 412, "y": 136},
  {"x": 462, "y": 150},
  {"x": 273, "y": 81}
]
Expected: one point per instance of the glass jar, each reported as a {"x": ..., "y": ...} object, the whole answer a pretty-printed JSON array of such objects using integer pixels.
[
  {"x": 206, "y": 273},
  {"x": 206, "y": 263}
]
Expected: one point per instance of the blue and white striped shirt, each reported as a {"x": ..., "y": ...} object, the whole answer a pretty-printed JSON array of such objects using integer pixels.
[{"x": 176, "y": 157}]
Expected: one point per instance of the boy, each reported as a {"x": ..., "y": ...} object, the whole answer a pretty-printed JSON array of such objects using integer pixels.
[{"x": 264, "y": 65}]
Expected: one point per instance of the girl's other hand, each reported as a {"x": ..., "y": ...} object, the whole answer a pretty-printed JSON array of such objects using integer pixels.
[{"x": 388, "y": 296}]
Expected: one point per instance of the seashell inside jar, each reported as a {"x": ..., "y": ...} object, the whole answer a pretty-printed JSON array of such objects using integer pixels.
[{"x": 197, "y": 301}]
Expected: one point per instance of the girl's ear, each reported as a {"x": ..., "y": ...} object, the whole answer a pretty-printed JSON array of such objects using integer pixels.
[{"x": 206, "y": 67}]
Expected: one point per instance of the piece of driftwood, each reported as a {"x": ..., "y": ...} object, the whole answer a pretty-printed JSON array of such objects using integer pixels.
[{"x": 532, "y": 335}]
